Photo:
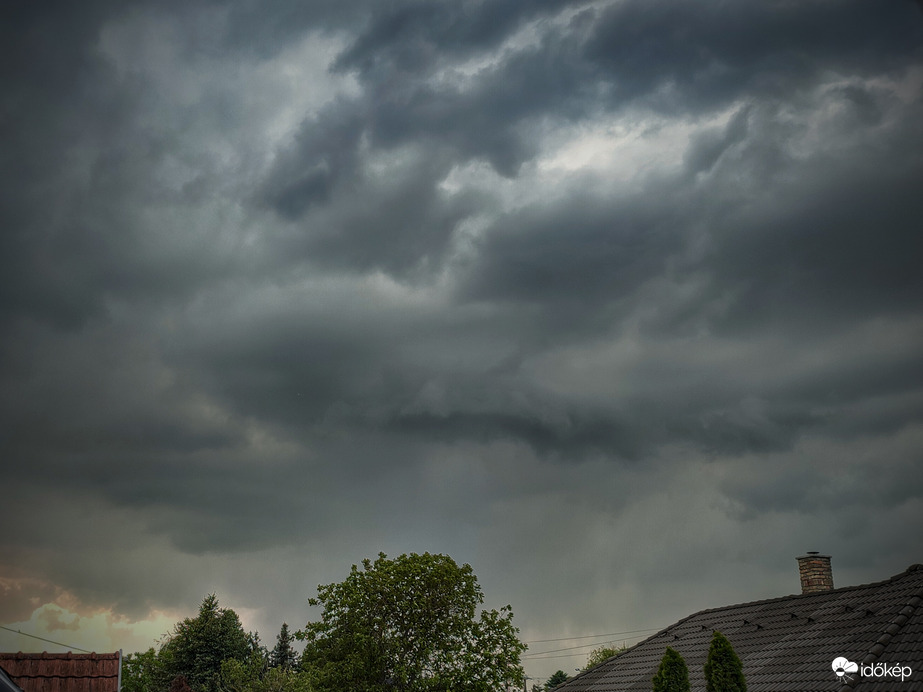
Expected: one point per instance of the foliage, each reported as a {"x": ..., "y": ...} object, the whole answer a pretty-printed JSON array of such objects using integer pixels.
[
  {"x": 198, "y": 646},
  {"x": 673, "y": 675},
  {"x": 143, "y": 672},
  {"x": 723, "y": 669},
  {"x": 409, "y": 624},
  {"x": 180, "y": 684},
  {"x": 254, "y": 675},
  {"x": 283, "y": 654},
  {"x": 556, "y": 679},
  {"x": 601, "y": 654}
]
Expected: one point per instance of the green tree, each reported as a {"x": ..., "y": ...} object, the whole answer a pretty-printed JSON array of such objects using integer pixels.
[
  {"x": 410, "y": 624},
  {"x": 597, "y": 656},
  {"x": 556, "y": 679},
  {"x": 144, "y": 672},
  {"x": 198, "y": 646},
  {"x": 673, "y": 675},
  {"x": 283, "y": 654},
  {"x": 253, "y": 675},
  {"x": 723, "y": 669}
]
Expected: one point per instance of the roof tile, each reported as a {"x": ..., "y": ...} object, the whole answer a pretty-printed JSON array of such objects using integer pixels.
[{"x": 68, "y": 672}]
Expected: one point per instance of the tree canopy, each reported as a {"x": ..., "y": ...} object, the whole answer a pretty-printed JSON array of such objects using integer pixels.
[
  {"x": 255, "y": 675},
  {"x": 410, "y": 623},
  {"x": 723, "y": 668},
  {"x": 598, "y": 655},
  {"x": 556, "y": 679},
  {"x": 673, "y": 675},
  {"x": 198, "y": 646},
  {"x": 193, "y": 655},
  {"x": 283, "y": 654}
]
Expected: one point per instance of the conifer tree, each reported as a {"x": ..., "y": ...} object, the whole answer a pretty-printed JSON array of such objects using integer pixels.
[
  {"x": 673, "y": 675},
  {"x": 723, "y": 669},
  {"x": 283, "y": 654},
  {"x": 556, "y": 679},
  {"x": 198, "y": 646}
]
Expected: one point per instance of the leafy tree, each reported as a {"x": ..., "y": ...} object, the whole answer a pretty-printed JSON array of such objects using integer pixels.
[
  {"x": 283, "y": 654},
  {"x": 556, "y": 679},
  {"x": 254, "y": 676},
  {"x": 673, "y": 675},
  {"x": 409, "y": 624},
  {"x": 144, "y": 672},
  {"x": 723, "y": 669},
  {"x": 601, "y": 654},
  {"x": 198, "y": 646}
]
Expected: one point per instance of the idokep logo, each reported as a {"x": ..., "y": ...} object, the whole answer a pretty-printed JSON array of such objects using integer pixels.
[{"x": 843, "y": 666}]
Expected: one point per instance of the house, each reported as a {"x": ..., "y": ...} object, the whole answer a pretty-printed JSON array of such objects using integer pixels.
[
  {"x": 874, "y": 633},
  {"x": 68, "y": 672}
]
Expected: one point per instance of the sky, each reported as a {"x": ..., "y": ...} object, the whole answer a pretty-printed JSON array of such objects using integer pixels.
[{"x": 617, "y": 301}]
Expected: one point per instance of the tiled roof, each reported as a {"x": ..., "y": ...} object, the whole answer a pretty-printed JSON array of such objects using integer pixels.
[
  {"x": 788, "y": 644},
  {"x": 7, "y": 684},
  {"x": 68, "y": 672}
]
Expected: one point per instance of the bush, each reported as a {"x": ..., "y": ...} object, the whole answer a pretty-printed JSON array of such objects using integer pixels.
[
  {"x": 724, "y": 671},
  {"x": 673, "y": 675}
]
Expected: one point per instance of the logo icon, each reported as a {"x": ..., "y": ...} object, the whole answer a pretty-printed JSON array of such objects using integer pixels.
[{"x": 842, "y": 666}]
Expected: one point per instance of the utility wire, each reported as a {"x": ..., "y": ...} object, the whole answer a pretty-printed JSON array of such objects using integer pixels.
[
  {"x": 590, "y": 636},
  {"x": 554, "y": 651},
  {"x": 540, "y": 658},
  {"x": 541, "y": 654},
  {"x": 50, "y": 641}
]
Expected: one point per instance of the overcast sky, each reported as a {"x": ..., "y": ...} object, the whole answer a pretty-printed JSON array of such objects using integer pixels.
[{"x": 619, "y": 302}]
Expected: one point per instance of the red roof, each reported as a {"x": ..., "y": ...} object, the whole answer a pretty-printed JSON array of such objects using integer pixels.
[{"x": 68, "y": 672}]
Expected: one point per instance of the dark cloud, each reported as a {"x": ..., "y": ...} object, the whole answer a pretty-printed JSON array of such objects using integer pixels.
[
  {"x": 559, "y": 288},
  {"x": 703, "y": 57},
  {"x": 416, "y": 36},
  {"x": 587, "y": 251}
]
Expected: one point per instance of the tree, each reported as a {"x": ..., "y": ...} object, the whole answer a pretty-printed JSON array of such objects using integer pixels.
[
  {"x": 144, "y": 672},
  {"x": 198, "y": 646},
  {"x": 597, "y": 656},
  {"x": 556, "y": 679},
  {"x": 180, "y": 684},
  {"x": 253, "y": 676},
  {"x": 283, "y": 654},
  {"x": 409, "y": 624},
  {"x": 673, "y": 675},
  {"x": 723, "y": 669}
]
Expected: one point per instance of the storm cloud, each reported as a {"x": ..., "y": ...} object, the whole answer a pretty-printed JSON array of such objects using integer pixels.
[{"x": 618, "y": 301}]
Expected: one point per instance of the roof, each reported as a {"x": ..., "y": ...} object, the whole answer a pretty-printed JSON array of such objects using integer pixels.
[
  {"x": 6, "y": 684},
  {"x": 788, "y": 644},
  {"x": 68, "y": 672}
]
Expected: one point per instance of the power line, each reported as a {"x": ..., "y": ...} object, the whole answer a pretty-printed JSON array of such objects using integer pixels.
[
  {"x": 554, "y": 651},
  {"x": 50, "y": 641},
  {"x": 590, "y": 636},
  {"x": 540, "y": 658},
  {"x": 541, "y": 654}
]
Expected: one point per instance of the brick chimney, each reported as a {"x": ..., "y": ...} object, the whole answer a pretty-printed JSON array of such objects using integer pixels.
[{"x": 815, "y": 572}]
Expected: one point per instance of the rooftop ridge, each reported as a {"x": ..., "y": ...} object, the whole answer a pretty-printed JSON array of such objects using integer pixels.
[{"x": 819, "y": 594}]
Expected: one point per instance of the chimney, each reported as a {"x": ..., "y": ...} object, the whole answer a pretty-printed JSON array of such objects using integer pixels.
[{"x": 815, "y": 572}]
